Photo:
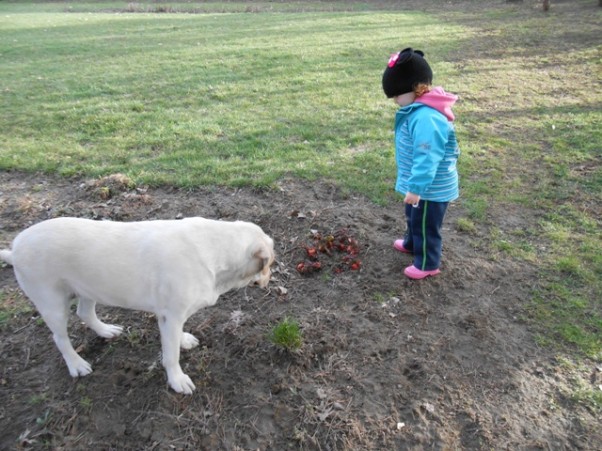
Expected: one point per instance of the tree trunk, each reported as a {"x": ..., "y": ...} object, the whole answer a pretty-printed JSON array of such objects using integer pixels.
[{"x": 546, "y": 5}]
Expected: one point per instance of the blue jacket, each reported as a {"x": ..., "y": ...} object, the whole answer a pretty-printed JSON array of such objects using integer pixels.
[{"x": 426, "y": 151}]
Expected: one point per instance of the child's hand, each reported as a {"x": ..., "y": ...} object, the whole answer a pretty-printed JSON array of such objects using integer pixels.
[{"x": 412, "y": 198}]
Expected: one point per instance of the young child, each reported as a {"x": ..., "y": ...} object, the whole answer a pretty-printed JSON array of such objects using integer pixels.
[{"x": 426, "y": 151}]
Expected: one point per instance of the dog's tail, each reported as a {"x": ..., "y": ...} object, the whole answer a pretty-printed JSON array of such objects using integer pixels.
[{"x": 6, "y": 256}]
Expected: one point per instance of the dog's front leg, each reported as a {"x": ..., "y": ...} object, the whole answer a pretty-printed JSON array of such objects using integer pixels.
[{"x": 171, "y": 335}]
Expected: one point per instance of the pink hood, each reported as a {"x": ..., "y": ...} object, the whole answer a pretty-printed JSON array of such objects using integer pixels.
[{"x": 440, "y": 100}]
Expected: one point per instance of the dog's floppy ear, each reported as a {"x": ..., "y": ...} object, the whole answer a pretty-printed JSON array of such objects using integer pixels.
[
  {"x": 260, "y": 254},
  {"x": 263, "y": 255}
]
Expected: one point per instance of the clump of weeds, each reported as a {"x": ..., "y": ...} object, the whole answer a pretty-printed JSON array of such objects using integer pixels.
[{"x": 287, "y": 335}]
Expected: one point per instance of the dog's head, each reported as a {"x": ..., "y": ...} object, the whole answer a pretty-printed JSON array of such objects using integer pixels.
[{"x": 262, "y": 258}]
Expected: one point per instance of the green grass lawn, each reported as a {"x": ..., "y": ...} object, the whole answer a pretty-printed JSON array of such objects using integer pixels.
[
  {"x": 202, "y": 99},
  {"x": 93, "y": 88}
]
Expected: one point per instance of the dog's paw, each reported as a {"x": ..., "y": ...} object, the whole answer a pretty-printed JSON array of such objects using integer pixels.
[
  {"x": 182, "y": 384},
  {"x": 79, "y": 367},
  {"x": 109, "y": 331},
  {"x": 189, "y": 341}
]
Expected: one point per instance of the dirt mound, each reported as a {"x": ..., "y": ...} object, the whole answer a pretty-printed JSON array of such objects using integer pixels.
[{"x": 386, "y": 363}]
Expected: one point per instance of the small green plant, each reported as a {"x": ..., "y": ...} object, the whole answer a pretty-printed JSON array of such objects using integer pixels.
[
  {"x": 38, "y": 398},
  {"x": 379, "y": 298},
  {"x": 43, "y": 419},
  {"x": 504, "y": 246},
  {"x": 85, "y": 402},
  {"x": 134, "y": 337},
  {"x": 466, "y": 225},
  {"x": 287, "y": 334},
  {"x": 385, "y": 299}
]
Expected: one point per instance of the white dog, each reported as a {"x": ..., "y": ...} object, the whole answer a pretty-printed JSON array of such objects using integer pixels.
[{"x": 171, "y": 268}]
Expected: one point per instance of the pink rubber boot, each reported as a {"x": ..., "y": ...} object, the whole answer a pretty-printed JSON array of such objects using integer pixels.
[
  {"x": 398, "y": 244},
  {"x": 414, "y": 273}
]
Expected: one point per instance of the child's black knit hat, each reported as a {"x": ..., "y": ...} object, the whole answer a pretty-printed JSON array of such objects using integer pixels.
[{"x": 405, "y": 70}]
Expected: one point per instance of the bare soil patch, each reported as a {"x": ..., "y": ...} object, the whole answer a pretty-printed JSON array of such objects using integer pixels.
[{"x": 386, "y": 363}]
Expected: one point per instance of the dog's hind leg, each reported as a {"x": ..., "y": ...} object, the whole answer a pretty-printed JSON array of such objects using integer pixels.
[
  {"x": 53, "y": 305},
  {"x": 86, "y": 310},
  {"x": 171, "y": 335}
]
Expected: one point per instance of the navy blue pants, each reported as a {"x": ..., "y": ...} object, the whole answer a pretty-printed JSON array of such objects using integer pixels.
[{"x": 423, "y": 235}]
